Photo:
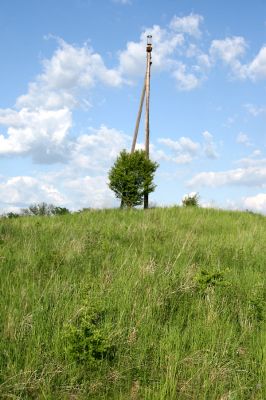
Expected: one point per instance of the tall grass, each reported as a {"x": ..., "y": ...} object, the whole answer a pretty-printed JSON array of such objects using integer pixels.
[{"x": 183, "y": 297}]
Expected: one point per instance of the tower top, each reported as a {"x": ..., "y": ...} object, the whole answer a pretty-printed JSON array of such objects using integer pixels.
[{"x": 149, "y": 44}]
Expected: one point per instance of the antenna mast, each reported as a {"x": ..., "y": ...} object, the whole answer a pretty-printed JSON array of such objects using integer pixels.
[{"x": 145, "y": 90}]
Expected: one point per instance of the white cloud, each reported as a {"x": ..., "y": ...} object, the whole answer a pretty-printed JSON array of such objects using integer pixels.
[
  {"x": 256, "y": 203},
  {"x": 38, "y": 132},
  {"x": 82, "y": 182},
  {"x": 21, "y": 191},
  {"x": 185, "y": 80},
  {"x": 229, "y": 50},
  {"x": 187, "y": 150},
  {"x": 90, "y": 191},
  {"x": 39, "y": 126},
  {"x": 184, "y": 149},
  {"x": 169, "y": 45},
  {"x": 203, "y": 60},
  {"x": 69, "y": 70},
  {"x": 132, "y": 61},
  {"x": 256, "y": 153},
  {"x": 242, "y": 138},
  {"x": 66, "y": 189},
  {"x": 184, "y": 144},
  {"x": 252, "y": 160},
  {"x": 97, "y": 150},
  {"x": 209, "y": 147},
  {"x": 189, "y": 24},
  {"x": 255, "y": 110},
  {"x": 257, "y": 68},
  {"x": 250, "y": 176}
]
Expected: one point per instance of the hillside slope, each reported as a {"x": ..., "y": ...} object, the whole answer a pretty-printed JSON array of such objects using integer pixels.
[{"x": 162, "y": 304}]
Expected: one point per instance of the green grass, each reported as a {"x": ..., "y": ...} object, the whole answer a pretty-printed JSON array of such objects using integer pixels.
[{"x": 183, "y": 297}]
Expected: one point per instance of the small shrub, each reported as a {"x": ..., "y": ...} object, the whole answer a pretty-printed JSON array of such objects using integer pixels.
[
  {"x": 88, "y": 339},
  {"x": 207, "y": 279},
  {"x": 191, "y": 200}
]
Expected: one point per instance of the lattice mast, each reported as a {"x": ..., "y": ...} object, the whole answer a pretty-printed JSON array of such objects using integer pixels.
[{"x": 145, "y": 91}]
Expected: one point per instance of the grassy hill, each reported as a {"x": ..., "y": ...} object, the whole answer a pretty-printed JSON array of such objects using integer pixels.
[{"x": 162, "y": 304}]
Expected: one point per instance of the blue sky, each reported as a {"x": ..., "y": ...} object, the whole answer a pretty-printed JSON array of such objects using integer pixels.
[{"x": 71, "y": 75}]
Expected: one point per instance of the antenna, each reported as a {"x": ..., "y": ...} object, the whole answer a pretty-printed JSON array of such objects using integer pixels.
[{"x": 145, "y": 91}]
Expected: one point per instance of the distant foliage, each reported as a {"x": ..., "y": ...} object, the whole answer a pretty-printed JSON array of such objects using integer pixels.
[
  {"x": 191, "y": 200},
  {"x": 60, "y": 211},
  {"x": 131, "y": 177},
  {"x": 42, "y": 209},
  {"x": 39, "y": 209},
  {"x": 12, "y": 215}
]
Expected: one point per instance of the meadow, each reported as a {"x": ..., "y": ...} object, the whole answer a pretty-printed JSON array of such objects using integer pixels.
[{"x": 166, "y": 303}]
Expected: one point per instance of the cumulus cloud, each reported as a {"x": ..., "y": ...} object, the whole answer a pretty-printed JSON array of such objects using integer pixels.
[
  {"x": 184, "y": 144},
  {"x": 251, "y": 176},
  {"x": 81, "y": 182},
  {"x": 256, "y": 70},
  {"x": 184, "y": 149},
  {"x": 24, "y": 190},
  {"x": 40, "y": 124},
  {"x": 75, "y": 192},
  {"x": 90, "y": 191},
  {"x": 97, "y": 150},
  {"x": 256, "y": 203},
  {"x": 170, "y": 44},
  {"x": 39, "y": 132},
  {"x": 229, "y": 50},
  {"x": 185, "y": 80},
  {"x": 132, "y": 60},
  {"x": 70, "y": 69},
  {"x": 189, "y": 24}
]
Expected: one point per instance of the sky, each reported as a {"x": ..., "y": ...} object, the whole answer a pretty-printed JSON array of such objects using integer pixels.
[{"x": 71, "y": 76}]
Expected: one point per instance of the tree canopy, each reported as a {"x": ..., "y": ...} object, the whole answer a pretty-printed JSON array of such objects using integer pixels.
[{"x": 131, "y": 177}]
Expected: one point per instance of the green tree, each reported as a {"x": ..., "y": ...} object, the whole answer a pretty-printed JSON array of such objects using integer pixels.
[
  {"x": 42, "y": 209},
  {"x": 191, "y": 200},
  {"x": 131, "y": 177}
]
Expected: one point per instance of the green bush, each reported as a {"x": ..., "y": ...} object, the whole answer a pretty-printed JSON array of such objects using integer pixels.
[
  {"x": 60, "y": 211},
  {"x": 191, "y": 199},
  {"x": 88, "y": 338},
  {"x": 131, "y": 177},
  {"x": 207, "y": 279},
  {"x": 12, "y": 215}
]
